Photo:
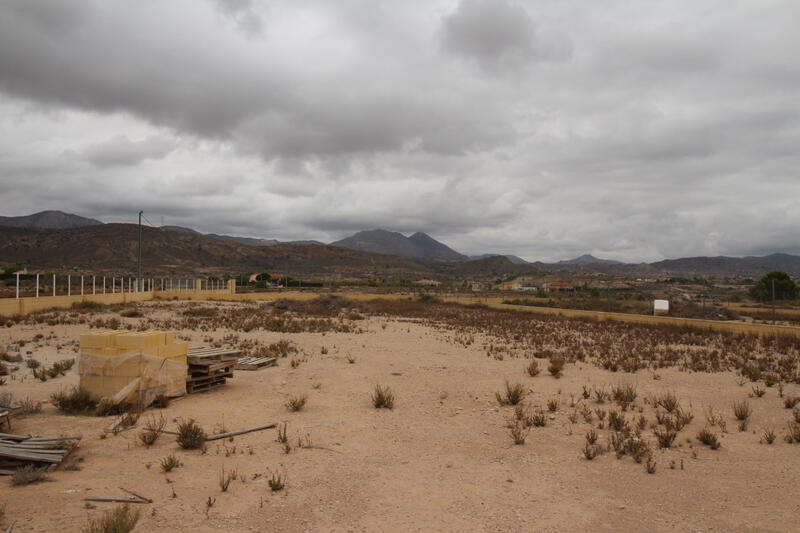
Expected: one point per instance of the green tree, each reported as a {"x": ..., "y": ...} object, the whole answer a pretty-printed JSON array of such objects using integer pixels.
[{"x": 785, "y": 288}]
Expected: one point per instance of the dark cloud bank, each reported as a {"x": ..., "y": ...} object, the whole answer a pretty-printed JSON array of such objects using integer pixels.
[{"x": 545, "y": 129}]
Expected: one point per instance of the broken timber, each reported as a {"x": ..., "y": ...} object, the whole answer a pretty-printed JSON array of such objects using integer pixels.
[{"x": 42, "y": 452}]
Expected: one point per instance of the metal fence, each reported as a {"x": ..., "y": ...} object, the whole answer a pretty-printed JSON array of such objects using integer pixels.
[{"x": 25, "y": 285}]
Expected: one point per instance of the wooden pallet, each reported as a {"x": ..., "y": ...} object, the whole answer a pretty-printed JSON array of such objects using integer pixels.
[
  {"x": 42, "y": 452},
  {"x": 204, "y": 354},
  {"x": 209, "y": 368},
  {"x": 254, "y": 363},
  {"x": 202, "y": 386}
]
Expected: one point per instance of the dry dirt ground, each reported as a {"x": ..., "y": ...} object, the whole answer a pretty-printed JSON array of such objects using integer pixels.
[{"x": 441, "y": 460}]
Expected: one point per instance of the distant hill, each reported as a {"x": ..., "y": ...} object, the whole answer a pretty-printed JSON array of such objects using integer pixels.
[
  {"x": 113, "y": 248},
  {"x": 305, "y": 243},
  {"x": 418, "y": 246},
  {"x": 587, "y": 258},
  {"x": 731, "y": 266},
  {"x": 513, "y": 258},
  {"x": 48, "y": 220},
  {"x": 181, "y": 229},
  {"x": 248, "y": 241}
]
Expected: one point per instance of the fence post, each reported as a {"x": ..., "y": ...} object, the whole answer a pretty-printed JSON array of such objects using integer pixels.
[
  {"x": 69, "y": 284},
  {"x": 104, "y": 284},
  {"x": 17, "y": 285},
  {"x": 94, "y": 286},
  {"x": 37, "y": 285},
  {"x": 113, "y": 284},
  {"x": 54, "y": 284},
  {"x": 81, "y": 285}
]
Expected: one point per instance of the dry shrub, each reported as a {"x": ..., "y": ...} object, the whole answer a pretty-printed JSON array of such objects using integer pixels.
[
  {"x": 533, "y": 368},
  {"x": 119, "y": 520},
  {"x": 617, "y": 421},
  {"x": 742, "y": 410},
  {"x": 513, "y": 394},
  {"x": 296, "y": 403},
  {"x": 160, "y": 402},
  {"x": 276, "y": 482},
  {"x": 29, "y": 474},
  {"x": 518, "y": 431},
  {"x": 708, "y": 438},
  {"x": 152, "y": 430},
  {"x": 552, "y": 405},
  {"x": 76, "y": 401},
  {"x": 556, "y": 365},
  {"x": 169, "y": 463},
  {"x": 538, "y": 418},
  {"x": 665, "y": 437},
  {"x": 190, "y": 435},
  {"x": 668, "y": 400},
  {"x": 382, "y": 397},
  {"x": 624, "y": 395}
]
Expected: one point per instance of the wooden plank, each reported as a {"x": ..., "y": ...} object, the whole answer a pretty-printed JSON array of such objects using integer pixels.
[
  {"x": 29, "y": 456},
  {"x": 143, "y": 498},
  {"x": 10, "y": 436},
  {"x": 254, "y": 363},
  {"x": 211, "y": 367},
  {"x": 240, "y": 432},
  {"x": 200, "y": 379},
  {"x": 205, "y": 351},
  {"x": 191, "y": 388},
  {"x": 34, "y": 449},
  {"x": 119, "y": 499}
]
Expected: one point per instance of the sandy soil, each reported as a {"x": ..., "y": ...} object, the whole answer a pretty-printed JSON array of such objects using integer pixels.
[{"x": 441, "y": 460}]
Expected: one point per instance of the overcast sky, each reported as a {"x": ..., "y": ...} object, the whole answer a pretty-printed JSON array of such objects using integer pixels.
[{"x": 630, "y": 130}]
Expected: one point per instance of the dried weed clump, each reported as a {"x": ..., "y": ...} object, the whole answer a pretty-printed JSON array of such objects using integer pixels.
[
  {"x": 556, "y": 366},
  {"x": 513, "y": 394},
  {"x": 28, "y": 475},
  {"x": 119, "y": 520},
  {"x": 190, "y": 435},
  {"x": 708, "y": 438},
  {"x": 382, "y": 397},
  {"x": 296, "y": 403},
  {"x": 76, "y": 401}
]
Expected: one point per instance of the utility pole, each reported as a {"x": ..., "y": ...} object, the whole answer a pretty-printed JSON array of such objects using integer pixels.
[{"x": 138, "y": 279}]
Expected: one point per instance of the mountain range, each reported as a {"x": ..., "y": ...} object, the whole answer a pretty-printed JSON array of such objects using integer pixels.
[
  {"x": 47, "y": 240},
  {"x": 417, "y": 246},
  {"x": 48, "y": 220}
]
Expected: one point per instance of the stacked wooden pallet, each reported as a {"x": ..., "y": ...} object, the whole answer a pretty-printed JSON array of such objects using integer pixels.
[
  {"x": 19, "y": 450},
  {"x": 209, "y": 368},
  {"x": 254, "y": 363}
]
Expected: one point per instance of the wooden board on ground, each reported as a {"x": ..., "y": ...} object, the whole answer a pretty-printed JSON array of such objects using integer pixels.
[
  {"x": 254, "y": 363},
  {"x": 19, "y": 450}
]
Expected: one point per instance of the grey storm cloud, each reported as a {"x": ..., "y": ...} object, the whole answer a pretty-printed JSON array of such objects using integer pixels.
[
  {"x": 498, "y": 34},
  {"x": 634, "y": 131},
  {"x": 122, "y": 151}
]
